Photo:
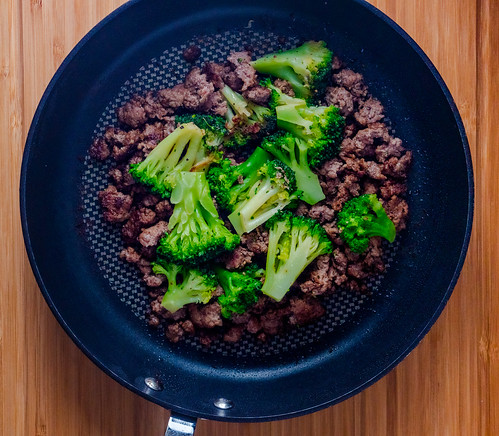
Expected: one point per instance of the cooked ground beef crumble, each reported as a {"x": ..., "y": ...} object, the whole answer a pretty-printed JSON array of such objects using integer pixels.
[{"x": 371, "y": 160}]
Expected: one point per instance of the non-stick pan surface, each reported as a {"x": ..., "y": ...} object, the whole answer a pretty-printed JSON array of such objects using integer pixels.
[{"x": 294, "y": 378}]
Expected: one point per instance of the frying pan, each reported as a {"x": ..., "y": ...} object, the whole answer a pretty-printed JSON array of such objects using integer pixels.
[{"x": 95, "y": 297}]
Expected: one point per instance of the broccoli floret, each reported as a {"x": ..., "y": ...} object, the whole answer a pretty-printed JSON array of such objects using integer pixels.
[
  {"x": 185, "y": 285},
  {"x": 320, "y": 126},
  {"x": 213, "y": 127},
  {"x": 246, "y": 121},
  {"x": 294, "y": 153},
  {"x": 362, "y": 218},
  {"x": 279, "y": 98},
  {"x": 227, "y": 181},
  {"x": 294, "y": 242},
  {"x": 241, "y": 289},
  {"x": 196, "y": 233},
  {"x": 307, "y": 67},
  {"x": 181, "y": 150},
  {"x": 269, "y": 190}
]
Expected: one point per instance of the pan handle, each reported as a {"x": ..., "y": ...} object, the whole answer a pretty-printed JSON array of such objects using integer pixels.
[{"x": 180, "y": 425}]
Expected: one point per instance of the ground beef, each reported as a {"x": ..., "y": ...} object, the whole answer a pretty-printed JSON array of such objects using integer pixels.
[
  {"x": 192, "y": 53},
  {"x": 239, "y": 258},
  {"x": 371, "y": 160},
  {"x": 370, "y": 112},
  {"x": 340, "y": 97},
  {"x": 115, "y": 204},
  {"x": 150, "y": 237},
  {"x": 99, "y": 149}
]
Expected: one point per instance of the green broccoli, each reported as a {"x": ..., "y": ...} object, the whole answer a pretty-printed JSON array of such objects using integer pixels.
[
  {"x": 246, "y": 121},
  {"x": 307, "y": 67},
  {"x": 213, "y": 127},
  {"x": 294, "y": 242},
  {"x": 241, "y": 289},
  {"x": 181, "y": 150},
  {"x": 279, "y": 98},
  {"x": 227, "y": 181},
  {"x": 362, "y": 218},
  {"x": 185, "y": 285},
  {"x": 294, "y": 153},
  {"x": 320, "y": 126},
  {"x": 263, "y": 194},
  {"x": 196, "y": 233}
]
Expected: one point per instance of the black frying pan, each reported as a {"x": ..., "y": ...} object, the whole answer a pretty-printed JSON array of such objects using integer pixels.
[{"x": 93, "y": 298}]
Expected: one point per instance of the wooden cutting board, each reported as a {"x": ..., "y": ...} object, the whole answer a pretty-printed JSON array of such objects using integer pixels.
[{"x": 449, "y": 385}]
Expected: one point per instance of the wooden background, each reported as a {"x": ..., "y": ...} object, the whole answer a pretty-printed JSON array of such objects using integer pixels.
[{"x": 448, "y": 386}]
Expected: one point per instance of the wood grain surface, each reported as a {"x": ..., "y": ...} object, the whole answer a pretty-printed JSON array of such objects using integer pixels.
[{"x": 449, "y": 385}]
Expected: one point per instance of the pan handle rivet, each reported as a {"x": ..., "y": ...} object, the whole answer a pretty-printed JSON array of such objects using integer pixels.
[
  {"x": 153, "y": 384},
  {"x": 223, "y": 403}
]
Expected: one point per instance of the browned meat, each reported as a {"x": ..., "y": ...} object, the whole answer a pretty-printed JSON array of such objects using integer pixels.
[
  {"x": 116, "y": 205},
  {"x": 370, "y": 112},
  {"x": 99, "y": 149},
  {"x": 239, "y": 258},
  {"x": 321, "y": 212},
  {"x": 258, "y": 94},
  {"x": 215, "y": 73},
  {"x": 243, "y": 71},
  {"x": 398, "y": 168},
  {"x": 257, "y": 241},
  {"x": 353, "y": 82},
  {"x": 174, "y": 332},
  {"x": 150, "y": 237},
  {"x": 272, "y": 321},
  {"x": 392, "y": 148},
  {"x": 284, "y": 86},
  {"x": 163, "y": 209},
  {"x": 198, "y": 90},
  {"x": 139, "y": 218},
  {"x": 234, "y": 334},
  {"x": 121, "y": 177},
  {"x": 207, "y": 317},
  {"x": 154, "y": 109},
  {"x": 337, "y": 64},
  {"x": 133, "y": 113},
  {"x": 373, "y": 170},
  {"x": 341, "y": 98},
  {"x": 192, "y": 53},
  {"x": 304, "y": 311},
  {"x": 319, "y": 281},
  {"x": 398, "y": 211},
  {"x": 391, "y": 188},
  {"x": 216, "y": 104},
  {"x": 172, "y": 98},
  {"x": 130, "y": 255},
  {"x": 153, "y": 280}
]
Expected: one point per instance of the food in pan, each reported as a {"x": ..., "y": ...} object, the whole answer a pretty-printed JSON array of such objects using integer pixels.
[{"x": 249, "y": 193}]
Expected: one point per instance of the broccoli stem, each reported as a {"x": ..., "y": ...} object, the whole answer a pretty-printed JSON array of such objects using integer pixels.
[
  {"x": 243, "y": 219},
  {"x": 236, "y": 101},
  {"x": 277, "y": 284}
]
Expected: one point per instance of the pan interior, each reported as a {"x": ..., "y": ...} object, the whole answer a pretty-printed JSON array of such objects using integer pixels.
[{"x": 167, "y": 70}]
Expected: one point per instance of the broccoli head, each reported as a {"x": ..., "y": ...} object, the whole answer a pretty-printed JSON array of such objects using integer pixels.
[
  {"x": 181, "y": 150},
  {"x": 185, "y": 285},
  {"x": 307, "y": 67},
  {"x": 362, "y": 218},
  {"x": 213, "y": 127},
  {"x": 241, "y": 289},
  {"x": 269, "y": 190},
  {"x": 294, "y": 152},
  {"x": 320, "y": 126},
  {"x": 294, "y": 242},
  {"x": 246, "y": 121},
  {"x": 196, "y": 233},
  {"x": 227, "y": 181}
]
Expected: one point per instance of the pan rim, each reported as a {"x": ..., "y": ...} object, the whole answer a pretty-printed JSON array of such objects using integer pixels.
[{"x": 39, "y": 279}]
